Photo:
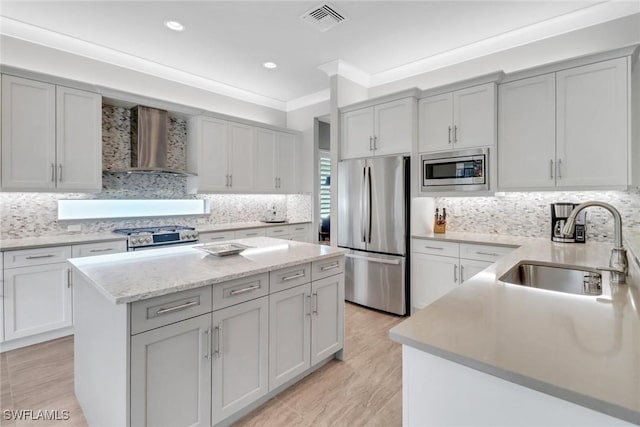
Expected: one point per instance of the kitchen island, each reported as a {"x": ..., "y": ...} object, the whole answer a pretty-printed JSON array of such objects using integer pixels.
[
  {"x": 494, "y": 353},
  {"x": 179, "y": 337}
]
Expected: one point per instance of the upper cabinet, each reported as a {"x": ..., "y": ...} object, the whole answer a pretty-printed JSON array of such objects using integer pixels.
[
  {"x": 456, "y": 120},
  {"x": 51, "y": 137},
  {"x": 379, "y": 130},
  {"x": 236, "y": 157},
  {"x": 566, "y": 129}
]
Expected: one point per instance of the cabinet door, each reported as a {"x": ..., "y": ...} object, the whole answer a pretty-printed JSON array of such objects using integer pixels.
[
  {"x": 78, "y": 140},
  {"x": 171, "y": 375},
  {"x": 356, "y": 134},
  {"x": 241, "y": 356},
  {"x": 434, "y": 124},
  {"x": 471, "y": 267},
  {"x": 592, "y": 125},
  {"x": 393, "y": 127},
  {"x": 37, "y": 299},
  {"x": 327, "y": 317},
  {"x": 28, "y": 134},
  {"x": 287, "y": 164},
  {"x": 289, "y": 334},
  {"x": 266, "y": 160},
  {"x": 241, "y": 156},
  {"x": 213, "y": 164},
  {"x": 474, "y": 116},
  {"x": 527, "y": 133},
  {"x": 432, "y": 276}
]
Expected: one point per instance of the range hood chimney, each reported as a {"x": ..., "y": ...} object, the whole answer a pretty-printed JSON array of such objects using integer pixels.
[{"x": 149, "y": 142}]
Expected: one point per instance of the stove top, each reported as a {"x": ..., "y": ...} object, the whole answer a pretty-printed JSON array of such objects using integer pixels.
[
  {"x": 150, "y": 237},
  {"x": 152, "y": 230}
]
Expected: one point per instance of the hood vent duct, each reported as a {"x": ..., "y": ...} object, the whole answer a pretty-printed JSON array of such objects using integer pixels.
[{"x": 149, "y": 142}]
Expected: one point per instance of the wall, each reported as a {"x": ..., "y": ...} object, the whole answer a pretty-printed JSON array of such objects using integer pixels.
[
  {"x": 34, "y": 214},
  {"x": 527, "y": 214},
  {"x": 598, "y": 38}
]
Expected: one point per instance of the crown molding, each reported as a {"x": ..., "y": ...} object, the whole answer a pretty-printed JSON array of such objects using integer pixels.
[
  {"x": 344, "y": 69},
  {"x": 307, "y": 100}
]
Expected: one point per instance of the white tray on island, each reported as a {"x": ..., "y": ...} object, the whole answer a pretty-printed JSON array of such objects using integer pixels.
[{"x": 223, "y": 249}]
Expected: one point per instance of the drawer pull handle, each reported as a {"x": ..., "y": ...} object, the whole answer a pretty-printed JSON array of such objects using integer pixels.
[
  {"x": 177, "y": 307},
  {"x": 251, "y": 234},
  {"x": 295, "y": 276},
  {"x": 39, "y": 256},
  {"x": 243, "y": 290},
  {"x": 101, "y": 250},
  {"x": 487, "y": 253},
  {"x": 434, "y": 247},
  {"x": 329, "y": 267},
  {"x": 278, "y": 231},
  {"x": 215, "y": 238}
]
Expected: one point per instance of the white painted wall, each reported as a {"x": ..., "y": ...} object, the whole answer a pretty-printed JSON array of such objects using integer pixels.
[
  {"x": 38, "y": 58},
  {"x": 607, "y": 36}
]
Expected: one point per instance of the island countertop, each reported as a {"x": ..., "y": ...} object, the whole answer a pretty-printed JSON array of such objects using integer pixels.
[
  {"x": 584, "y": 349},
  {"x": 133, "y": 276}
]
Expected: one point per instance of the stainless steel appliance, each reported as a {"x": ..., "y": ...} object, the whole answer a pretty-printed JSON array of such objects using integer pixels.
[
  {"x": 464, "y": 170},
  {"x": 373, "y": 222},
  {"x": 559, "y": 214},
  {"x": 158, "y": 237}
]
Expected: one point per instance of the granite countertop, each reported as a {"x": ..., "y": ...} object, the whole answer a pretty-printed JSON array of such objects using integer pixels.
[
  {"x": 133, "y": 276},
  {"x": 462, "y": 237},
  {"x": 79, "y": 238},
  {"x": 583, "y": 349}
]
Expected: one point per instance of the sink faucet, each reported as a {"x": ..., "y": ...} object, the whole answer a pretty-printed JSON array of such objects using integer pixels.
[{"x": 618, "y": 263}]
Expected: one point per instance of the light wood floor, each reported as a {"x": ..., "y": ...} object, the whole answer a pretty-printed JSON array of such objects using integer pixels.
[{"x": 363, "y": 390}]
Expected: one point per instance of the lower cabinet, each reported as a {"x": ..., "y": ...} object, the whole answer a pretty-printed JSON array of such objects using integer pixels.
[
  {"x": 471, "y": 267},
  {"x": 240, "y": 356},
  {"x": 327, "y": 317},
  {"x": 171, "y": 375}
]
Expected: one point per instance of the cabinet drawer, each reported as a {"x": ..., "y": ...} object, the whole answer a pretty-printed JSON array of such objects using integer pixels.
[
  {"x": 483, "y": 252},
  {"x": 39, "y": 256},
  {"x": 436, "y": 247},
  {"x": 299, "y": 228},
  {"x": 160, "y": 311},
  {"x": 240, "y": 290},
  {"x": 252, "y": 232},
  {"x": 289, "y": 277},
  {"x": 102, "y": 248},
  {"x": 218, "y": 236},
  {"x": 327, "y": 267},
  {"x": 278, "y": 231}
]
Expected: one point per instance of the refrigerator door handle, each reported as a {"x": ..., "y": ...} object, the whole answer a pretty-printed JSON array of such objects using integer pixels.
[
  {"x": 372, "y": 259},
  {"x": 362, "y": 220},
  {"x": 369, "y": 204}
]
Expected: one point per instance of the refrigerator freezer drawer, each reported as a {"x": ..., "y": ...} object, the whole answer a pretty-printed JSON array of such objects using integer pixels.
[{"x": 376, "y": 281}]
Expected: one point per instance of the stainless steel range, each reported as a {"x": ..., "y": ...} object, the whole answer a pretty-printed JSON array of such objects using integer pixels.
[{"x": 158, "y": 237}]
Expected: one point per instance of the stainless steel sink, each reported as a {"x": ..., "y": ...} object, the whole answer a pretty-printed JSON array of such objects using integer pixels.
[{"x": 559, "y": 278}]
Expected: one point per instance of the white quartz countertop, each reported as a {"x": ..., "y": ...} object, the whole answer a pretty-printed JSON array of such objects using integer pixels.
[
  {"x": 79, "y": 238},
  {"x": 133, "y": 276},
  {"x": 461, "y": 237},
  {"x": 584, "y": 349}
]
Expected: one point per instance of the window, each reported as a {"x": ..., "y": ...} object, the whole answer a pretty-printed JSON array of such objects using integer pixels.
[{"x": 325, "y": 185}]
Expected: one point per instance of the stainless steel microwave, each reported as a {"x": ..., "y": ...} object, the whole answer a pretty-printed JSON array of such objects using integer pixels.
[{"x": 464, "y": 170}]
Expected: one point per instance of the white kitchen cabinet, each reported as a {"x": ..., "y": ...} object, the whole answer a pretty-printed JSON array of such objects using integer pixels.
[
  {"x": 432, "y": 277},
  {"x": 327, "y": 317},
  {"x": 266, "y": 166},
  {"x": 209, "y": 153},
  {"x": 471, "y": 267},
  {"x": 1, "y": 299},
  {"x": 250, "y": 232},
  {"x": 461, "y": 119},
  {"x": 100, "y": 248},
  {"x": 215, "y": 236},
  {"x": 241, "y": 157},
  {"x": 570, "y": 126},
  {"x": 171, "y": 374},
  {"x": 379, "y": 130},
  {"x": 592, "y": 125},
  {"x": 37, "y": 299},
  {"x": 527, "y": 130},
  {"x": 289, "y": 334},
  {"x": 240, "y": 370},
  {"x": 51, "y": 137},
  {"x": 286, "y": 162}
]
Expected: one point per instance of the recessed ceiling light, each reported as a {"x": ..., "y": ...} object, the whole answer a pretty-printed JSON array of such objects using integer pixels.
[
  {"x": 270, "y": 65},
  {"x": 174, "y": 25}
]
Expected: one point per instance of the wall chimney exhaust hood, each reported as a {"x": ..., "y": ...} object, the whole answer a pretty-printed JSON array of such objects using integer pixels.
[{"x": 149, "y": 143}]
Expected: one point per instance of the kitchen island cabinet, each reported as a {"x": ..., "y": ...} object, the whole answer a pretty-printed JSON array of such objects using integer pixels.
[{"x": 176, "y": 334}]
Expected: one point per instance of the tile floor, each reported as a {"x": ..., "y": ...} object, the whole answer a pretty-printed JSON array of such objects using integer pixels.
[{"x": 363, "y": 390}]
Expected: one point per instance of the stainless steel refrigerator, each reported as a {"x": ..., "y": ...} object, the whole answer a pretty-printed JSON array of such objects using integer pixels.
[{"x": 373, "y": 221}]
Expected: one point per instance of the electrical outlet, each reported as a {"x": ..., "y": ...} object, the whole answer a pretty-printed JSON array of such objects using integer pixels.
[{"x": 74, "y": 227}]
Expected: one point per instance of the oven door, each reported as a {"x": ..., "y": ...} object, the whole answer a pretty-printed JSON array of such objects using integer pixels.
[{"x": 453, "y": 171}]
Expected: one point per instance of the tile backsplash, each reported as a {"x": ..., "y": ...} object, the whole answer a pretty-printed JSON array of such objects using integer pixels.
[{"x": 528, "y": 214}]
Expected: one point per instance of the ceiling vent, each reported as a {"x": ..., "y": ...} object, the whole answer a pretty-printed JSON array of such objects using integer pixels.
[{"x": 323, "y": 17}]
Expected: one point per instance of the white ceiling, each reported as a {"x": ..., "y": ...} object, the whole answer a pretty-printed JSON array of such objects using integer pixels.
[{"x": 227, "y": 41}]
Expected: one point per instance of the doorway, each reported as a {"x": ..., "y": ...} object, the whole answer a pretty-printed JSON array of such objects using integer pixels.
[{"x": 322, "y": 181}]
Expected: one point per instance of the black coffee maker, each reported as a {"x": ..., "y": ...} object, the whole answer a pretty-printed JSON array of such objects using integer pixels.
[{"x": 559, "y": 214}]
